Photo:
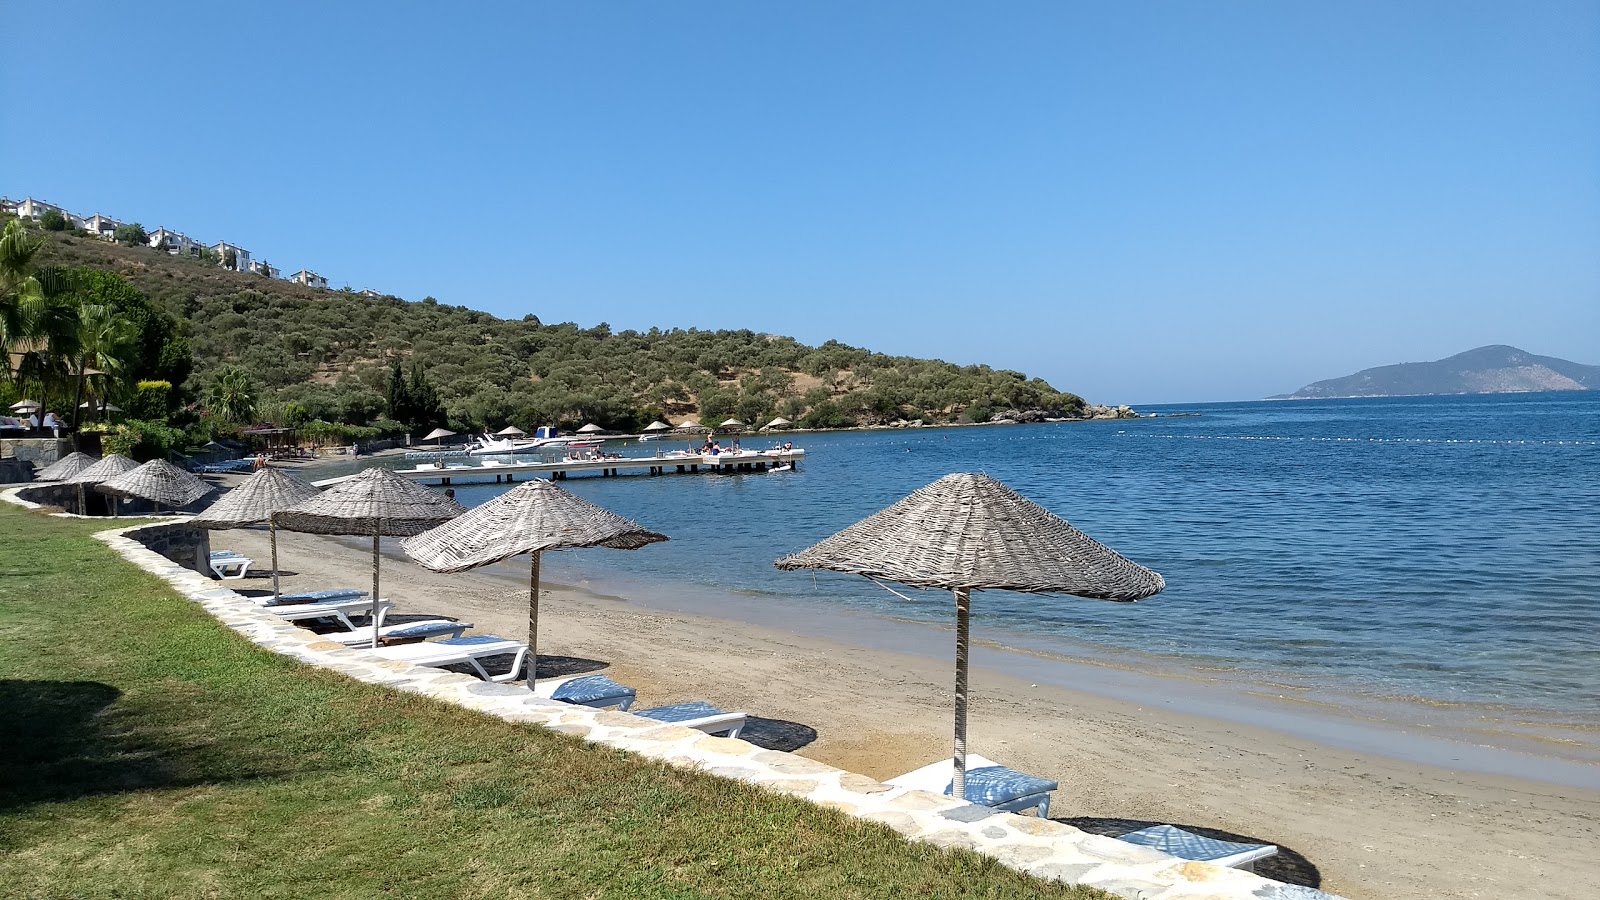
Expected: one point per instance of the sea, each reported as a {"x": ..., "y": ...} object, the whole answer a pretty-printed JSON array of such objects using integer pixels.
[{"x": 1442, "y": 552}]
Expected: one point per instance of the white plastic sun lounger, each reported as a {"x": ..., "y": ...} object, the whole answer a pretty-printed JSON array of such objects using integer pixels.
[
  {"x": 469, "y": 650},
  {"x": 1175, "y": 841},
  {"x": 988, "y": 784},
  {"x": 703, "y": 716},
  {"x": 333, "y": 609},
  {"x": 597, "y": 691},
  {"x": 405, "y": 631},
  {"x": 229, "y": 565}
]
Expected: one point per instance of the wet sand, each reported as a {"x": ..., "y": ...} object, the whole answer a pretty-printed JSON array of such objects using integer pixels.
[{"x": 1356, "y": 824}]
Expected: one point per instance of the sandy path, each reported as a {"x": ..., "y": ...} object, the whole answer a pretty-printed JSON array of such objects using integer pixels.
[{"x": 1357, "y": 825}]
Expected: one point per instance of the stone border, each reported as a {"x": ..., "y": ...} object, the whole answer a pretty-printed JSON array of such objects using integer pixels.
[{"x": 1038, "y": 847}]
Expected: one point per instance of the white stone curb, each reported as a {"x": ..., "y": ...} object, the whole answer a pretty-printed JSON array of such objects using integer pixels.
[{"x": 1038, "y": 847}]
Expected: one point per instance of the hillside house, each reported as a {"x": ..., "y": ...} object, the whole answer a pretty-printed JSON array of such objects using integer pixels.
[
  {"x": 309, "y": 279},
  {"x": 240, "y": 261},
  {"x": 266, "y": 269},
  {"x": 175, "y": 242},
  {"x": 102, "y": 227}
]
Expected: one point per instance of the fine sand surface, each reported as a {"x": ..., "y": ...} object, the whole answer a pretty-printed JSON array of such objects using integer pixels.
[{"x": 1355, "y": 825}]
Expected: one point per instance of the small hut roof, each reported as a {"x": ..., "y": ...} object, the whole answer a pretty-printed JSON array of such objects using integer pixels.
[
  {"x": 439, "y": 433},
  {"x": 731, "y": 423},
  {"x": 972, "y": 532},
  {"x": 511, "y": 430},
  {"x": 590, "y": 428},
  {"x": 658, "y": 425},
  {"x": 159, "y": 482},
  {"x": 107, "y": 468},
  {"x": 378, "y": 501},
  {"x": 536, "y": 516},
  {"x": 66, "y": 467},
  {"x": 255, "y": 500}
]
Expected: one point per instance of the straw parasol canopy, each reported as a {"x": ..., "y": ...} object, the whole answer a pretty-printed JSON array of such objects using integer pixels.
[
  {"x": 253, "y": 502},
  {"x": 67, "y": 466},
  {"x": 511, "y": 431},
  {"x": 25, "y": 406},
  {"x": 690, "y": 423},
  {"x": 109, "y": 407},
  {"x": 779, "y": 422},
  {"x": 439, "y": 434},
  {"x": 968, "y": 533},
  {"x": 106, "y": 469},
  {"x": 378, "y": 503},
  {"x": 658, "y": 425},
  {"x": 158, "y": 481},
  {"x": 590, "y": 428},
  {"x": 535, "y": 517},
  {"x": 731, "y": 423}
]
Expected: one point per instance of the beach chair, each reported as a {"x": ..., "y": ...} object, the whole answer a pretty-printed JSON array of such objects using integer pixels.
[
  {"x": 311, "y": 597},
  {"x": 988, "y": 784},
  {"x": 699, "y": 715},
  {"x": 469, "y": 650},
  {"x": 228, "y": 565},
  {"x": 597, "y": 691},
  {"x": 1172, "y": 840},
  {"x": 401, "y": 633},
  {"x": 340, "y": 610}
]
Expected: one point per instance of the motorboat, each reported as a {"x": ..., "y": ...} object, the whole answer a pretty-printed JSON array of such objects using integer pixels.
[{"x": 544, "y": 438}]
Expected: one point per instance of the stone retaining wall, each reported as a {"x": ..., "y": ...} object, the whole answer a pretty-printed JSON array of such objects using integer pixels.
[{"x": 1039, "y": 847}]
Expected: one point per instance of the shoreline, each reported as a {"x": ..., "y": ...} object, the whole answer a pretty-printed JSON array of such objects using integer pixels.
[{"x": 1144, "y": 757}]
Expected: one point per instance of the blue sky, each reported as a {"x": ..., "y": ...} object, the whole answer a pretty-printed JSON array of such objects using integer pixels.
[{"x": 1139, "y": 202}]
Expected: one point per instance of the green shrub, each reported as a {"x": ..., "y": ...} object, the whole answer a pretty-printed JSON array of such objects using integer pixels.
[{"x": 151, "y": 400}]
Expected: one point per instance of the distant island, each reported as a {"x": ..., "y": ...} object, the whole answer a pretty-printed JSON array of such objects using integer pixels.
[{"x": 1496, "y": 369}]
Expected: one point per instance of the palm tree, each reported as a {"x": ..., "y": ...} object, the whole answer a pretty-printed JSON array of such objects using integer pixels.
[
  {"x": 105, "y": 348},
  {"x": 232, "y": 395},
  {"x": 21, "y": 295}
]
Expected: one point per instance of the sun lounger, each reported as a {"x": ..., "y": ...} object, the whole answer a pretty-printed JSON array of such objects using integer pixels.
[
  {"x": 1173, "y": 840},
  {"x": 469, "y": 650},
  {"x": 406, "y": 631},
  {"x": 597, "y": 691},
  {"x": 988, "y": 784},
  {"x": 229, "y": 565},
  {"x": 341, "y": 610},
  {"x": 703, "y": 716}
]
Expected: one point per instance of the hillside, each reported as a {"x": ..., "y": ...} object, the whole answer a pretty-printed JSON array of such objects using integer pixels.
[
  {"x": 329, "y": 354},
  {"x": 1495, "y": 369}
]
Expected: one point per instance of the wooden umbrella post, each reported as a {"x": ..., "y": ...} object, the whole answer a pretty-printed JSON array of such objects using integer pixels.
[
  {"x": 533, "y": 621},
  {"x": 272, "y": 531},
  {"x": 376, "y": 530},
  {"x": 963, "y": 614}
]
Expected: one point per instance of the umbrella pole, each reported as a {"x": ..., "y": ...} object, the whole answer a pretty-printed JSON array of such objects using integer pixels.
[
  {"x": 272, "y": 530},
  {"x": 533, "y": 621},
  {"x": 375, "y": 557},
  {"x": 963, "y": 613}
]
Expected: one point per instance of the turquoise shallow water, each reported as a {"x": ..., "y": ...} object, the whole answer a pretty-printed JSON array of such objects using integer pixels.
[{"x": 1443, "y": 549}]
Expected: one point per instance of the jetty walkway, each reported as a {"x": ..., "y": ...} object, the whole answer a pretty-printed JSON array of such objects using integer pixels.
[{"x": 676, "y": 462}]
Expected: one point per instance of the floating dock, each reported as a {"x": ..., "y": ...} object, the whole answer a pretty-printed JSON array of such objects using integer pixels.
[{"x": 446, "y": 474}]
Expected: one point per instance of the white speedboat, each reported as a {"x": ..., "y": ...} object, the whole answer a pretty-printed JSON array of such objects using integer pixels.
[{"x": 545, "y": 438}]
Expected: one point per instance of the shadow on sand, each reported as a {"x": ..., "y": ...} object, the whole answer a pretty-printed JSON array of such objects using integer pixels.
[
  {"x": 1289, "y": 866},
  {"x": 777, "y": 734}
]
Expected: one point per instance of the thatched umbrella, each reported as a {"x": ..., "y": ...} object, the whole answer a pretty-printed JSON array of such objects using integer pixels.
[
  {"x": 106, "y": 469},
  {"x": 535, "y": 517},
  {"x": 66, "y": 467},
  {"x": 590, "y": 428},
  {"x": 690, "y": 423},
  {"x": 253, "y": 502},
  {"x": 158, "y": 481},
  {"x": 376, "y": 502},
  {"x": 438, "y": 435},
  {"x": 779, "y": 422},
  {"x": 968, "y": 533},
  {"x": 731, "y": 423},
  {"x": 511, "y": 431},
  {"x": 25, "y": 406},
  {"x": 658, "y": 425}
]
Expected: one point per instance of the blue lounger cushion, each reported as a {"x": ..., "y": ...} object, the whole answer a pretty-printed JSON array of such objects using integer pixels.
[
  {"x": 589, "y": 689},
  {"x": 994, "y": 785},
  {"x": 682, "y": 712},
  {"x": 422, "y": 630},
  {"x": 314, "y": 597},
  {"x": 1175, "y": 841}
]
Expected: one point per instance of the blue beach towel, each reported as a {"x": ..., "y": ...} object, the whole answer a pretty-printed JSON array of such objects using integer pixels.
[
  {"x": 682, "y": 712},
  {"x": 589, "y": 689},
  {"x": 991, "y": 785}
]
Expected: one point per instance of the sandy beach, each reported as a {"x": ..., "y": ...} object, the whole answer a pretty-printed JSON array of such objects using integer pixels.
[{"x": 1355, "y": 824}]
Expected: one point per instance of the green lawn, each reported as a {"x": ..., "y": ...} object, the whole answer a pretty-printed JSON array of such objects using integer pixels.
[{"x": 146, "y": 751}]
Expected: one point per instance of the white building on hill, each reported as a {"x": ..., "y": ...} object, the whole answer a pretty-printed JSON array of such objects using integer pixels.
[
  {"x": 175, "y": 242},
  {"x": 261, "y": 267},
  {"x": 309, "y": 279},
  {"x": 241, "y": 256}
]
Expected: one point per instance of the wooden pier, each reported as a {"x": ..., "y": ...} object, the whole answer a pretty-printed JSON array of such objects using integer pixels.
[{"x": 446, "y": 474}]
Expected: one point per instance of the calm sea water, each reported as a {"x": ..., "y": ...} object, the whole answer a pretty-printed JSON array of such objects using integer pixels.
[{"x": 1436, "y": 548}]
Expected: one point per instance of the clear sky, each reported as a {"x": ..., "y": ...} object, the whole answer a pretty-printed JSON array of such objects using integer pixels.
[{"x": 1139, "y": 202}]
